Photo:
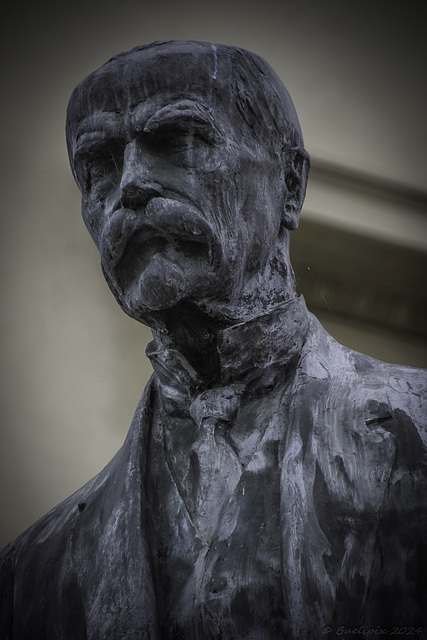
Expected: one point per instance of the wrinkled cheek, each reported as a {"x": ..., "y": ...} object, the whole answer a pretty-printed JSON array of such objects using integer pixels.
[
  {"x": 93, "y": 216},
  {"x": 222, "y": 203}
]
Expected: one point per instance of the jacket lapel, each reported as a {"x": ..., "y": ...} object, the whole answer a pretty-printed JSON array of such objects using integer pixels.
[
  {"x": 334, "y": 476},
  {"x": 109, "y": 549}
]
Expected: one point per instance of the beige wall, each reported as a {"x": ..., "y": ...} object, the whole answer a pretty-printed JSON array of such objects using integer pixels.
[{"x": 73, "y": 365}]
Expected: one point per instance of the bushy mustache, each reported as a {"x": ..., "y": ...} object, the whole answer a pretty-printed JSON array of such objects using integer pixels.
[{"x": 162, "y": 217}]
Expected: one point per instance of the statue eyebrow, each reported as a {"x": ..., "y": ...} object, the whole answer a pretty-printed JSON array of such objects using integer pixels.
[
  {"x": 186, "y": 111},
  {"x": 93, "y": 129},
  {"x": 90, "y": 141},
  {"x": 96, "y": 124}
]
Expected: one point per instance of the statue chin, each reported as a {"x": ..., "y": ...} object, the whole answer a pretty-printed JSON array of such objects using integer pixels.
[
  {"x": 153, "y": 295},
  {"x": 161, "y": 285}
]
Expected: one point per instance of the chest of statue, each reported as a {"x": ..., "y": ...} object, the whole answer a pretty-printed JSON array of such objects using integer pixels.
[{"x": 206, "y": 481}]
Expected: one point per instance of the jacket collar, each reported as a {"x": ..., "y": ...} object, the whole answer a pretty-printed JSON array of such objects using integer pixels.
[{"x": 248, "y": 352}]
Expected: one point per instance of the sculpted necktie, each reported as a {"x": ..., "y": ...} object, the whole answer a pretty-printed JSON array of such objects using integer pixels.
[{"x": 215, "y": 468}]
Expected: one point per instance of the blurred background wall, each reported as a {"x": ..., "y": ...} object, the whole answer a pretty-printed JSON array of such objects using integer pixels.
[{"x": 73, "y": 365}]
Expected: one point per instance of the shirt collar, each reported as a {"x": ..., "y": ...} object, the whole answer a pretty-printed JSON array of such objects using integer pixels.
[{"x": 247, "y": 351}]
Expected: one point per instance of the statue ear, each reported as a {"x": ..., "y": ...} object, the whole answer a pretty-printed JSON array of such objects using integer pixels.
[{"x": 297, "y": 167}]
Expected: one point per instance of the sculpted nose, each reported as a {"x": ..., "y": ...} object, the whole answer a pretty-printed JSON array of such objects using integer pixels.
[{"x": 137, "y": 185}]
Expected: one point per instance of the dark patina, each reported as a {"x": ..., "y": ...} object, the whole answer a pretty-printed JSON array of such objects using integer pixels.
[{"x": 273, "y": 482}]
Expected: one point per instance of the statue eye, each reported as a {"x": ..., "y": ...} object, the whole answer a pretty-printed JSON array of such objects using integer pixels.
[
  {"x": 99, "y": 163},
  {"x": 179, "y": 137},
  {"x": 169, "y": 141}
]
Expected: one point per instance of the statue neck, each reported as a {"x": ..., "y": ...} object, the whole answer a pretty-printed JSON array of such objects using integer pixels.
[
  {"x": 222, "y": 355},
  {"x": 193, "y": 327}
]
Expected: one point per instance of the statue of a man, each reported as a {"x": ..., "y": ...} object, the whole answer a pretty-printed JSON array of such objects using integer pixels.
[{"x": 273, "y": 481}]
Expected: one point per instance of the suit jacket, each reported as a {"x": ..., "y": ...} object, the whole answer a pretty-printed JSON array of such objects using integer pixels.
[{"x": 352, "y": 529}]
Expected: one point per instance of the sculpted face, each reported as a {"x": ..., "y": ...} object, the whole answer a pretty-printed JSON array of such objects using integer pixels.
[{"x": 179, "y": 191}]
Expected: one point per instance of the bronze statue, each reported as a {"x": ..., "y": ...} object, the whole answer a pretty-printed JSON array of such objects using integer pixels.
[{"x": 273, "y": 482}]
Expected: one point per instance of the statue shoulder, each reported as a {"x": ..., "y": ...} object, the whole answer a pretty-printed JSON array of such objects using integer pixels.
[
  {"x": 32, "y": 562},
  {"x": 367, "y": 389},
  {"x": 34, "y": 568}
]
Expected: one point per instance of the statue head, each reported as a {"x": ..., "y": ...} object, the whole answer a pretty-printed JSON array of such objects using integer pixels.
[{"x": 190, "y": 160}]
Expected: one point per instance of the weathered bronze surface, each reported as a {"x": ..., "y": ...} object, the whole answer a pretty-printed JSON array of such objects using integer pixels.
[{"x": 273, "y": 482}]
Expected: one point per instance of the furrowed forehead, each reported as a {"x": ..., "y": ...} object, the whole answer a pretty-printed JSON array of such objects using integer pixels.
[
  {"x": 242, "y": 82},
  {"x": 131, "y": 78}
]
